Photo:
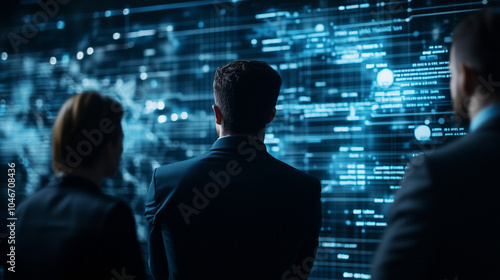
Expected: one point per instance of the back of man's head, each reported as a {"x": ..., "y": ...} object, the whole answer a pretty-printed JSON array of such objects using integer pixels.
[
  {"x": 246, "y": 93},
  {"x": 476, "y": 43}
]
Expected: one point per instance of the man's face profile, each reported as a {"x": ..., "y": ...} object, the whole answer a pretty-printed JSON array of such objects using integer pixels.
[{"x": 457, "y": 88}]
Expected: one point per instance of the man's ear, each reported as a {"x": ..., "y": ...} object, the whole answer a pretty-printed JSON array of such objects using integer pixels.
[
  {"x": 106, "y": 152},
  {"x": 468, "y": 81},
  {"x": 218, "y": 114},
  {"x": 272, "y": 115}
]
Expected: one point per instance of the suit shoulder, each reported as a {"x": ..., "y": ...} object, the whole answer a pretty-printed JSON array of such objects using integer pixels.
[
  {"x": 292, "y": 172},
  {"x": 177, "y": 167},
  {"x": 471, "y": 146},
  {"x": 456, "y": 166},
  {"x": 119, "y": 210},
  {"x": 72, "y": 197}
]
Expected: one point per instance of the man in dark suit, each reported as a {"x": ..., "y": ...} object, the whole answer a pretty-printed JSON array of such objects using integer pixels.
[
  {"x": 235, "y": 212},
  {"x": 69, "y": 229},
  {"x": 444, "y": 221}
]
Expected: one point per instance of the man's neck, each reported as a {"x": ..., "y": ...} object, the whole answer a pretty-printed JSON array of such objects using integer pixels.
[
  {"x": 479, "y": 103},
  {"x": 242, "y": 135},
  {"x": 222, "y": 133}
]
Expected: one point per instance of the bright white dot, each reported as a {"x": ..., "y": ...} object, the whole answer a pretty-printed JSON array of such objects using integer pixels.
[
  {"x": 161, "y": 105},
  {"x": 254, "y": 41},
  {"x": 126, "y": 11},
  {"x": 79, "y": 55},
  {"x": 107, "y": 13},
  {"x": 319, "y": 27},
  {"x": 162, "y": 119},
  {"x": 53, "y": 60},
  {"x": 205, "y": 68},
  {"x": 427, "y": 122},
  {"x": 184, "y": 115},
  {"x": 4, "y": 56},
  {"x": 174, "y": 117},
  {"x": 60, "y": 24},
  {"x": 385, "y": 78},
  {"x": 90, "y": 50},
  {"x": 170, "y": 28},
  {"x": 116, "y": 35},
  {"x": 144, "y": 76},
  {"x": 201, "y": 24},
  {"x": 422, "y": 133},
  {"x": 150, "y": 105}
]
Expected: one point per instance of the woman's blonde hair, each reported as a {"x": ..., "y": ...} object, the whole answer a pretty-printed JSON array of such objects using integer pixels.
[{"x": 85, "y": 124}]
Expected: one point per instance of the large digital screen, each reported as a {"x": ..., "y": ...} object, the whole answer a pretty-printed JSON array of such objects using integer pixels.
[{"x": 365, "y": 88}]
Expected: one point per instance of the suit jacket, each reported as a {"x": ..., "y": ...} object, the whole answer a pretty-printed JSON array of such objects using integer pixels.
[
  {"x": 234, "y": 212},
  {"x": 70, "y": 230},
  {"x": 444, "y": 222}
]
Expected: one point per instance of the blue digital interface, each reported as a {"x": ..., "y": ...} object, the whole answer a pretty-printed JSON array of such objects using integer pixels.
[{"x": 365, "y": 88}]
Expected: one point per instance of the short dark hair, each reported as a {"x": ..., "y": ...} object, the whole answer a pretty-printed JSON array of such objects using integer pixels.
[
  {"x": 85, "y": 123},
  {"x": 476, "y": 42},
  {"x": 246, "y": 93}
]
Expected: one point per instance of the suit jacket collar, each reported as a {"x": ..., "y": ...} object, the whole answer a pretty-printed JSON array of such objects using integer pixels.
[
  {"x": 491, "y": 124},
  {"x": 238, "y": 143}
]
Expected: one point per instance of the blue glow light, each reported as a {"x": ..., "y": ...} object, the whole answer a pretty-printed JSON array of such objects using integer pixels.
[
  {"x": 79, "y": 55},
  {"x": 385, "y": 78},
  {"x": 162, "y": 119},
  {"x": 319, "y": 27},
  {"x": 60, "y": 24},
  {"x": 422, "y": 133}
]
